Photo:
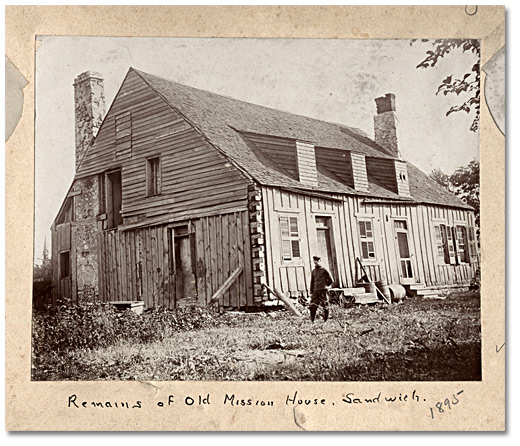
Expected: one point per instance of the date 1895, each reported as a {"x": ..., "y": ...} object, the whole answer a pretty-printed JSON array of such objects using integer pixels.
[{"x": 442, "y": 405}]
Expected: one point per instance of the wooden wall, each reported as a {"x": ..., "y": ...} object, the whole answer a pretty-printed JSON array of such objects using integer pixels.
[
  {"x": 283, "y": 150},
  {"x": 137, "y": 264},
  {"x": 194, "y": 175},
  {"x": 344, "y": 213},
  {"x": 306, "y": 163},
  {"x": 359, "y": 171},
  {"x": 382, "y": 171},
  {"x": 61, "y": 241},
  {"x": 337, "y": 162}
]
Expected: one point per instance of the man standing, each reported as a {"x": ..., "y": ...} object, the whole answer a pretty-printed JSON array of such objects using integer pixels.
[{"x": 320, "y": 280}]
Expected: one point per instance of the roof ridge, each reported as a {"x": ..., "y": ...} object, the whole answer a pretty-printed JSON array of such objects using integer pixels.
[{"x": 340, "y": 126}]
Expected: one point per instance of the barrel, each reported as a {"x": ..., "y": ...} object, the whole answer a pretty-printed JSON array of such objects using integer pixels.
[
  {"x": 397, "y": 292},
  {"x": 383, "y": 287},
  {"x": 369, "y": 287}
]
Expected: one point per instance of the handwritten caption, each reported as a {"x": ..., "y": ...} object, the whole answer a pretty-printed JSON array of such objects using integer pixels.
[
  {"x": 440, "y": 407},
  {"x": 296, "y": 398}
]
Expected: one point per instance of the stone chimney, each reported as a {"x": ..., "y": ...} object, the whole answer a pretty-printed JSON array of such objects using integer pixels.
[
  {"x": 89, "y": 104},
  {"x": 385, "y": 124}
]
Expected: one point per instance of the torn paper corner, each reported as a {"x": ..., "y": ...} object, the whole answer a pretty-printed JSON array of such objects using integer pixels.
[
  {"x": 495, "y": 88},
  {"x": 15, "y": 82}
]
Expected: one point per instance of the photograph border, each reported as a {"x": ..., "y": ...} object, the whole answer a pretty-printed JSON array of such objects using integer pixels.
[{"x": 483, "y": 403}]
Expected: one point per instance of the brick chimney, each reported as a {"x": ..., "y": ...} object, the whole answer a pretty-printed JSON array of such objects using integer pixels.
[
  {"x": 89, "y": 104},
  {"x": 385, "y": 124}
]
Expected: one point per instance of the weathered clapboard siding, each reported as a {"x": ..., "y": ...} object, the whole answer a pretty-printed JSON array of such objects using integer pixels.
[
  {"x": 293, "y": 276},
  {"x": 359, "y": 171},
  {"x": 139, "y": 264},
  {"x": 401, "y": 173},
  {"x": 337, "y": 162},
  {"x": 382, "y": 170},
  {"x": 283, "y": 150},
  {"x": 192, "y": 171},
  {"x": 306, "y": 163}
]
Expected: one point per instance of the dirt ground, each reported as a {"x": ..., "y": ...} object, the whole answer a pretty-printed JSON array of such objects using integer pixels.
[{"x": 419, "y": 339}]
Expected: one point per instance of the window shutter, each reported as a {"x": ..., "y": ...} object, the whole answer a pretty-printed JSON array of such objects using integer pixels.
[
  {"x": 451, "y": 245},
  {"x": 445, "y": 244},
  {"x": 466, "y": 245},
  {"x": 286, "y": 249},
  {"x": 284, "y": 226},
  {"x": 472, "y": 244},
  {"x": 289, "y": 236}
]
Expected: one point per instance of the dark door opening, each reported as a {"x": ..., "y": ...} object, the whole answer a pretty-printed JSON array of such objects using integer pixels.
[
  {"x": 326, "y": 246},
  {"x": 114, "y": 199},
  {"x": 184, "y": 263},
  {"x": 405, "y": 257}
]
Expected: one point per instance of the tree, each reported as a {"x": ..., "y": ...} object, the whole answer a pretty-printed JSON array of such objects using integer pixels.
[
  {"x": 465, "y": 183},
  {"x": 469, "y": 83},
  {"x": 440, "y": 177}
]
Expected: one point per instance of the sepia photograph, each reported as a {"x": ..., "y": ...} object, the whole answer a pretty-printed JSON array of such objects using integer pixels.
[{"x": 232, "y": 209}]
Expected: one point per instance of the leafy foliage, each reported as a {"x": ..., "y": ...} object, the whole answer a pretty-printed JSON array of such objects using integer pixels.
[
  {"x": 469, "y": 83},
  {"x": 58, "y": 330},
  {"x": 420, "y": 339},
  {"x": 465, "y": 183}
]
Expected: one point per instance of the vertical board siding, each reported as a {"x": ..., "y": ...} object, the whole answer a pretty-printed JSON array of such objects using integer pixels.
[
  {"x": 145, "y": 255},
  {"x": 292, "y": 277}
]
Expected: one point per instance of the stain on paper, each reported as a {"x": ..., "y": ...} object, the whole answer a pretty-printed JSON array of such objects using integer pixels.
[
  {"x": 495, "y": 88},
  {"x": 15, "y": 82}
]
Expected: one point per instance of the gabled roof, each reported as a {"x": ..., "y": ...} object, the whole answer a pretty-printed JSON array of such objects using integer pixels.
[{"x": 222, "y": 119}]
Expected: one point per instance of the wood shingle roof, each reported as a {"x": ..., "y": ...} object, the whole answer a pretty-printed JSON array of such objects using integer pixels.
[{"x": 222, "y": 120}]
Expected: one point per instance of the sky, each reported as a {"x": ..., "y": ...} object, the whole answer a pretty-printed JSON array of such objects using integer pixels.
[{"x": 332, "y": 80}]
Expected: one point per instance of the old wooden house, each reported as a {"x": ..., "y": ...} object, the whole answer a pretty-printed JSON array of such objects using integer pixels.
[{"x": 179, "y": 191}]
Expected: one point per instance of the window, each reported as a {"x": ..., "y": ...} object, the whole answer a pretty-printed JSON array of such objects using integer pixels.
[
  {"x": 114, "y": 199},
  {"x": 102, "y": 194},
  {"x": 290, "y": 238},
  {"x": 440, "y": 243},
  {"x": 64, "y": 264},
  {"x": 471, "y": 242},
  {"x": 153, "y": 176},
  {"x": 366, "y": 236},
  {"x": 450, "y": 250},
  {"x": 462, "y": 244}
]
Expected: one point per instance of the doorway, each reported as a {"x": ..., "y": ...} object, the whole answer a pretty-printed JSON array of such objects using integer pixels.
[
  {"x": 403, "y": 252},
  {"x": 183, "y": 263},
  {"x": 114, "y": 199},
  {"x": 326, "y": 246}
]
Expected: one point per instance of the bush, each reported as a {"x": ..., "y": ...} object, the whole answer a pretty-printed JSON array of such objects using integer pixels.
[{"x": 68, "y": 327}]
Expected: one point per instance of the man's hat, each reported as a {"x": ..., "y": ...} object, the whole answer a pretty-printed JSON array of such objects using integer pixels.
[{"x": 316, "y": 258}]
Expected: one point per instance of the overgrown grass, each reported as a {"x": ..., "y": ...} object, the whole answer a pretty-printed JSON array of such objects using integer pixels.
[{"x": 419, "y": 339}]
